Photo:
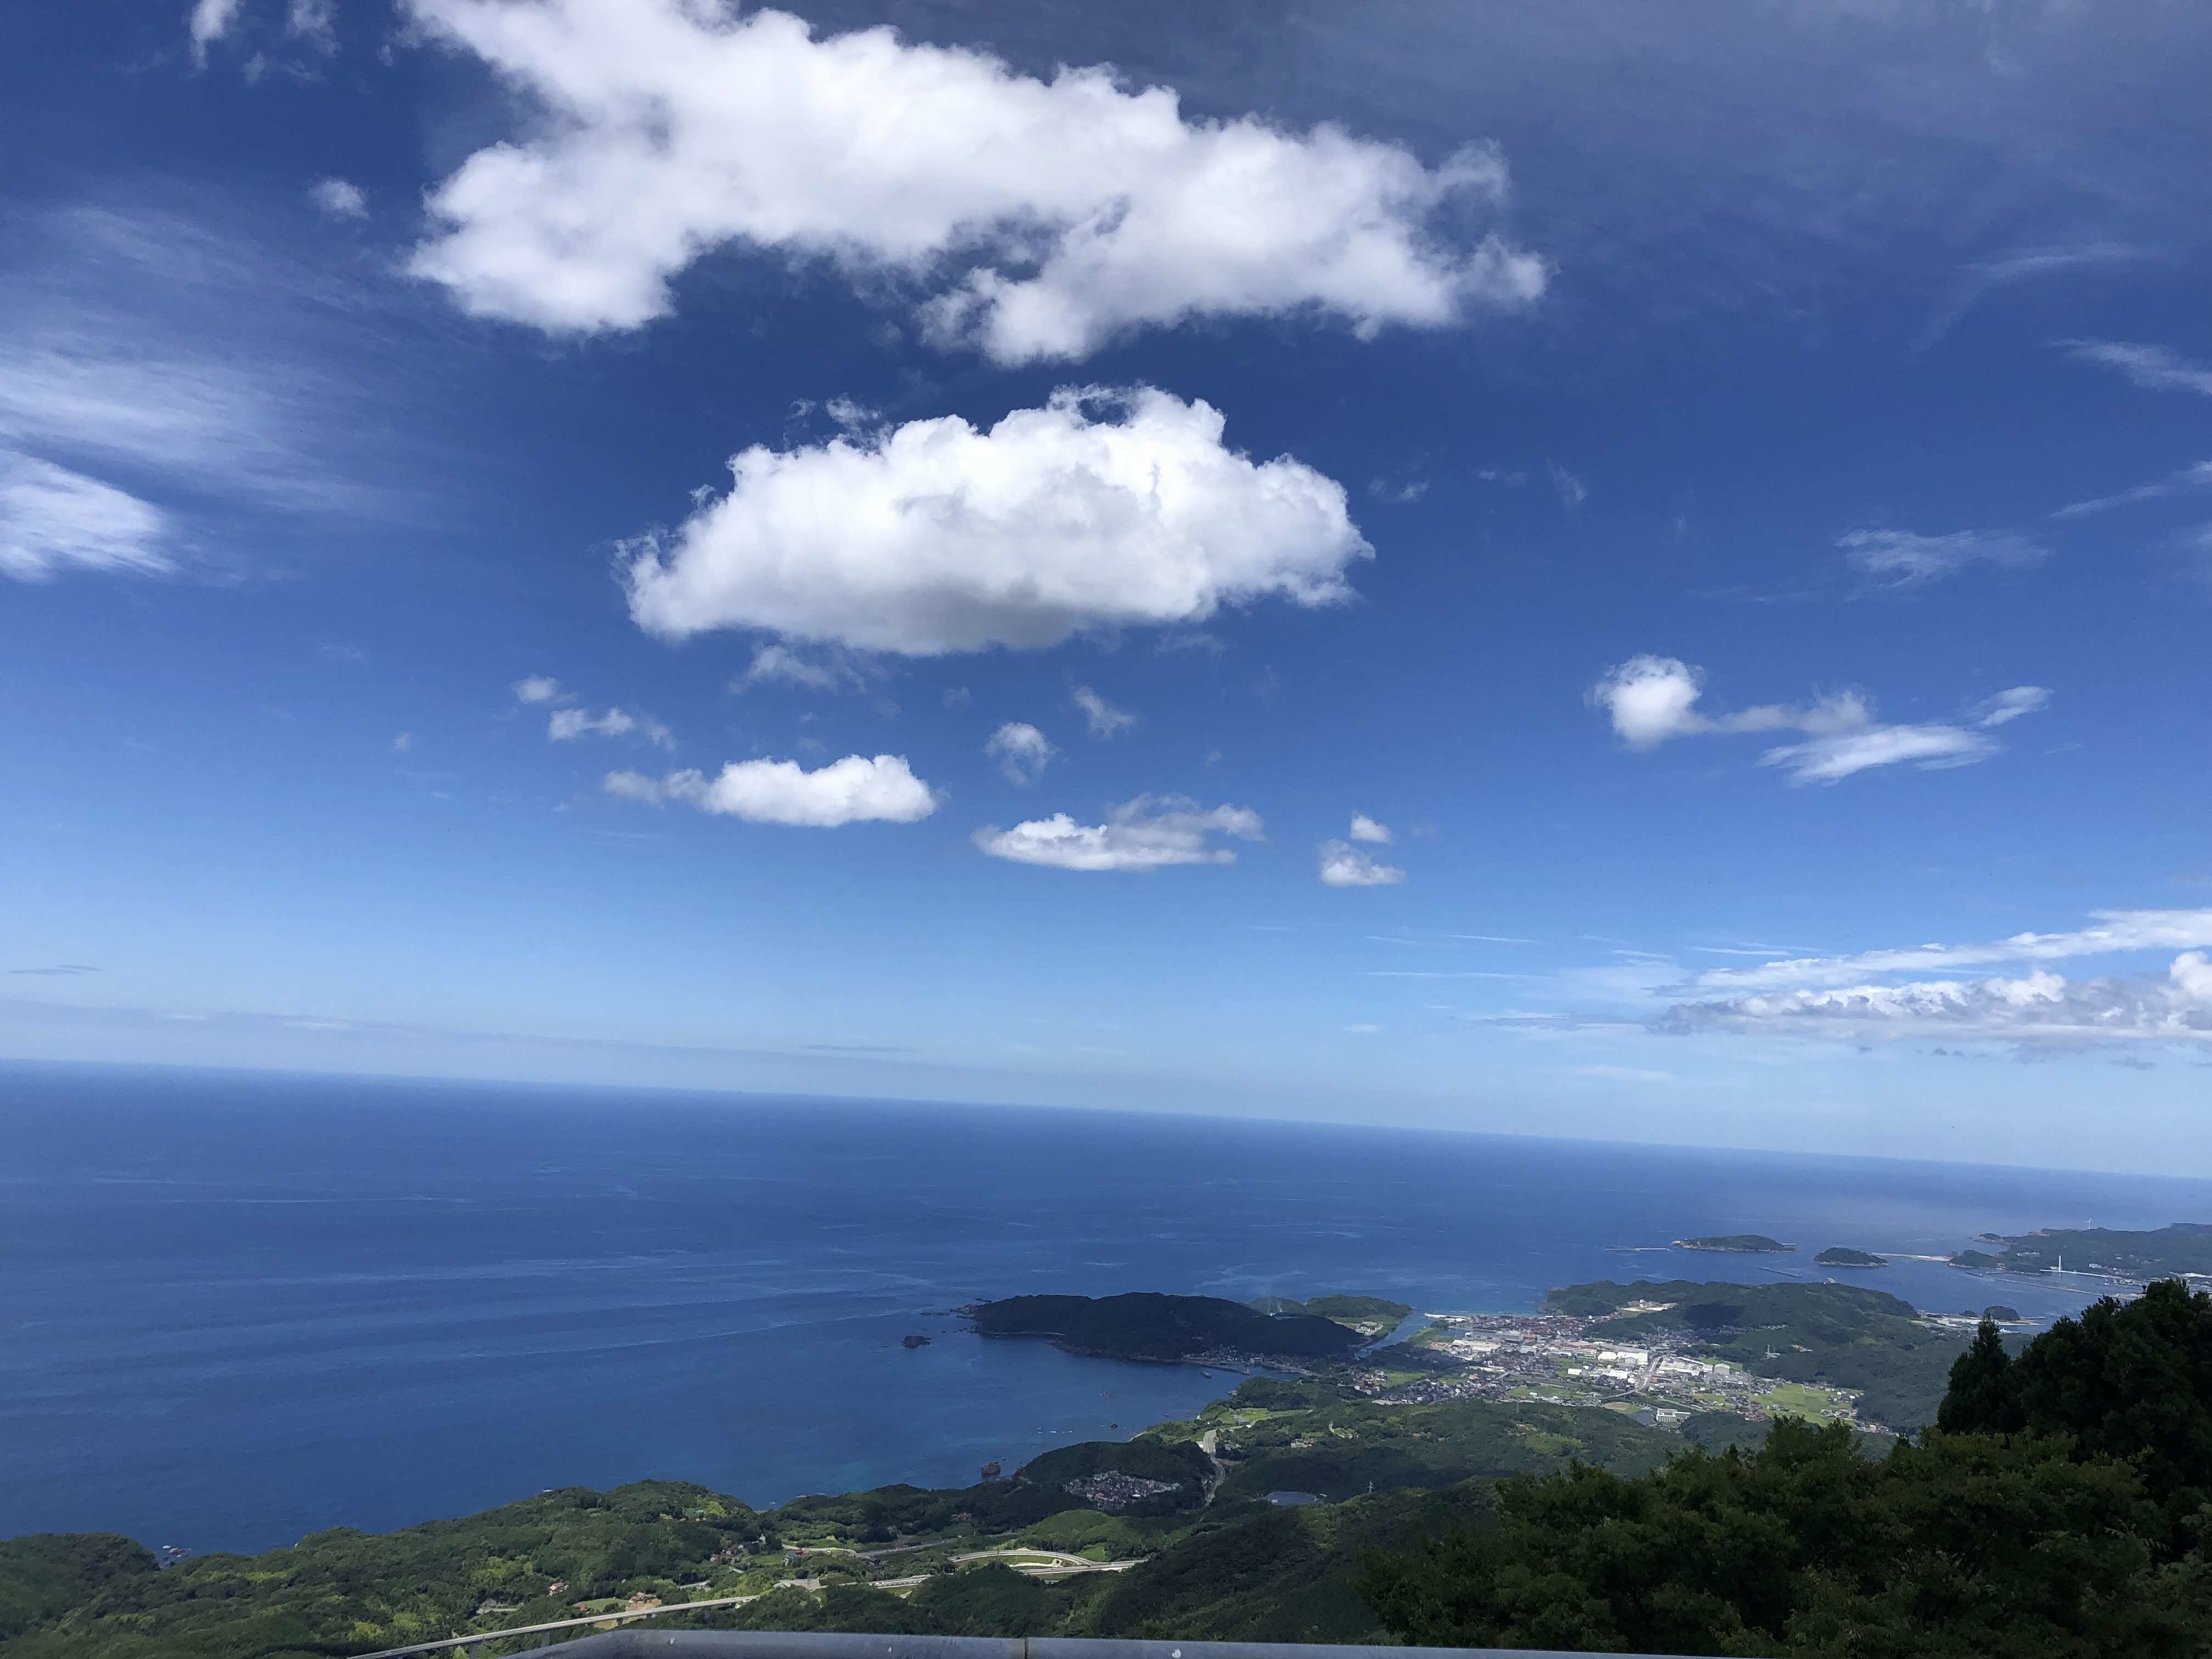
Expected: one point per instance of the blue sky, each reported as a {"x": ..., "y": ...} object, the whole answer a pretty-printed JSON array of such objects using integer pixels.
[{"x": 1465, "y": 565}]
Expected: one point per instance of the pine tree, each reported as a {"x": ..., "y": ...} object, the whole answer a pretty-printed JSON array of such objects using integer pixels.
[{"x": 1984, "y": 1395}]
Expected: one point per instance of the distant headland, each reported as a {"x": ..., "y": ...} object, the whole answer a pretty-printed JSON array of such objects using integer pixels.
[
  {"x": 1745, "y": 1242},
  {"x": 1149, "y": 1325}
]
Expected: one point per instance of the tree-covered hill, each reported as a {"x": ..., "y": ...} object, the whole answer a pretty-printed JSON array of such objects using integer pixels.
[{"x": 1145, "y": 1325}]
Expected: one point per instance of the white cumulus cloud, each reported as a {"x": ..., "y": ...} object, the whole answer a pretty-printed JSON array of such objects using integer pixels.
[
  {"x": 1366, "y": 829},
  {"x": 1145, "y": 833},
  {"x": 539, "y": 688},
  {"x": 1343, "y": 865},
  {"x": 1101, "y": 510},
  {"x": 1044, "y": 217},
  {"x": 1906, "y": 560},
  {"x": 53, "y": 520},
  {"x": 853, "y": 790},
  {"x": 1021, "y": 750},
  {"x": 1652, "y": 700}
]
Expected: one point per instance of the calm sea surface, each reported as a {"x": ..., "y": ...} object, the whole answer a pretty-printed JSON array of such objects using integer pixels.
[{"x": 239, "y": 1308}]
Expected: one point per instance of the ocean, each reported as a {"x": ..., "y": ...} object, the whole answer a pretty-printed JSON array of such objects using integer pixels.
[{"x": 241, "y": 1308}]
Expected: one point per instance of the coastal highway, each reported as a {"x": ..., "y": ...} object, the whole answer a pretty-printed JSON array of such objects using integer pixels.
[{"x": 1031, "y": 1564}]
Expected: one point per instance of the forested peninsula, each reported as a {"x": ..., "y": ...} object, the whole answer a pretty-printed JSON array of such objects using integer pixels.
[{"x": 1146, "y": 1325}]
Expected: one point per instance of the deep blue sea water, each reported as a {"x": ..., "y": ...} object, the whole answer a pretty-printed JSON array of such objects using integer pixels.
[{"x": 237, "y": 1309}]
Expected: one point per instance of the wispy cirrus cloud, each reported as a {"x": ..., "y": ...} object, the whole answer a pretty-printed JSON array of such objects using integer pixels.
[
  {"x": 2153, "y": 368},
  {"x": 53, "y": 520},
  {"x": 1652, "y": 700},
  {"x": 2198, "y": 477},
  {"x": 1902, "y": 558},
  {"x": 2110, "y": 932}
]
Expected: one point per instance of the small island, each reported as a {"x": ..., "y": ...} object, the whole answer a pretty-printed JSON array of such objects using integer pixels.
[
  {"x": 1838, "y": 1256},
  {"x": 1978, "y": 1260},
  {"x": 1746, "y": 1242},
  {"x": 2000, "y": 1313}
]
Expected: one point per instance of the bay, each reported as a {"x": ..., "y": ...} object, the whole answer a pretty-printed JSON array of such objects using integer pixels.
[{"x": 239, "y": 1308}]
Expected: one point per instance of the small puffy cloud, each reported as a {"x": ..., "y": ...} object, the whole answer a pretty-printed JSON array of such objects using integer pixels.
[
  {"x": 1362, "y": 1030},
  {"x": 53, "y": 520},
  {"x": 1101, "y": 510},
  {"x": 1040, "y": 218},
  {"x": 1572, "y": 491},
  {"x": 853, "y": 790},
  {"x": 775, "y": 664},
  {"x": 208, "y": 23},
  {"x": 403, "y": 742},
  {"x": 1021, "y": 750},
  {"x": 1366, "y": 829},
  {"x": 539, "y": 688},
  {"x": 1104, "y": 719},
  {"x": 2153, "y": 368},
  {"x": 1650, "y": 700},
  {"x": 1145, "y": 833},
  {"x": 1902, "y": 559},
  {"x": 2040, "y": 1007},
  {"x": 338, "y": 198},
  {"x": 565, "y": 725},
  {"x": 2113, "y": 932},
  {"x": 1343, "y": 865},
  {"x": 314, "y": 24}
]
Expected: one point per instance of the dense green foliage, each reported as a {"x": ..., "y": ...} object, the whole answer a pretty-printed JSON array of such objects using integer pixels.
[
  {"x": 2129, "y": 1381},
  {"x": 1968, "y": 1545},
  {"x": 343, "y": 1591},
  {"x": 1144, "y": 1325},
  {"x": 1845, "y": 1336},
  {"x": 45, "y": 1574},
  {"x": 2062, "y": 1507}
]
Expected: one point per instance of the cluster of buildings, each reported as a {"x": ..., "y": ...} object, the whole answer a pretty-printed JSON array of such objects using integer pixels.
[
  {"x": 1114, "y": 1492},
  {"x": 1552, "y": 1358}
]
